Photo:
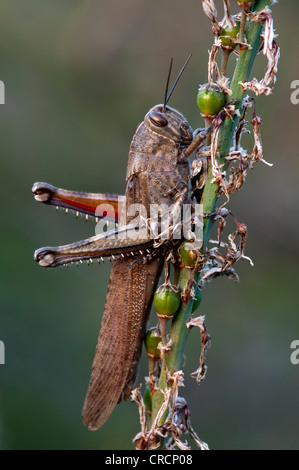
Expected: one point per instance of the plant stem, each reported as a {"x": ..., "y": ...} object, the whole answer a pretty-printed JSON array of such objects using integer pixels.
[
  {"x": 179, "y": 331},
  {"x": 242, "y": 74},
  {"x": 225, "y": 56},
  {"x": 243, "y": 25}
]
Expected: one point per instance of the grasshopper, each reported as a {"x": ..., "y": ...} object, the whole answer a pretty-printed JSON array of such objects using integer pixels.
[{"x": 157, "y": 173}]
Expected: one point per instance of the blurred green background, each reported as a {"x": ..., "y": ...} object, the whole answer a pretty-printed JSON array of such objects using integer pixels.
[{"x": 79, "y": 77}]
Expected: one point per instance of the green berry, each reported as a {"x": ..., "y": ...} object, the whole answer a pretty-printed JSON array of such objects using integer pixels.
[
  {"x": 210, "y": 100},
  {"x": 189, "y": 257},
  {"x": 166, "y": 301},
  {"x": 151, "y": 340},
  {"x": 229, "y": 32}
]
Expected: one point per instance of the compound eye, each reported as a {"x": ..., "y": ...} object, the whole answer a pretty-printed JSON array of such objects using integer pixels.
[{"x": 158, "y": 119}]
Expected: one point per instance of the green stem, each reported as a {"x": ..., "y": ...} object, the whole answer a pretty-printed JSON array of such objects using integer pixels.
[
  {"x": 225, "y": 56},
  {"x": 242, "y": 25},
  {"x": 179, "y": 331},
  {"x": 242, "y": 74}
]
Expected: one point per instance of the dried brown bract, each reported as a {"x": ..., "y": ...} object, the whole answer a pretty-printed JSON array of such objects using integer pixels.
[
  {"x": 177, "y": 422},
  {"x": 271, "y": 51},
  {"x": 201, "y": 371},
  {"x": 211, "y": 12}
]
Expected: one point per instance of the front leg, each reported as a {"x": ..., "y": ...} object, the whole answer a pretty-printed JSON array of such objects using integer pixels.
[
  {"x": 94, "y": 204},
  {"x": 170, "y": 226},
  {"x": 176, "y": 211},
  {"x": 198, "y": 139}
]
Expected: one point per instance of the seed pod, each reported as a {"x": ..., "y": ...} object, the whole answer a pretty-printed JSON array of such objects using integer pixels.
[
  {"x": 166, "y": 301},
  {"x": 152, "y": 339},
  {"x": 188, "y": 256},
  {"x": 229, "y": 32},
  {"x": 210, "y": 99}
]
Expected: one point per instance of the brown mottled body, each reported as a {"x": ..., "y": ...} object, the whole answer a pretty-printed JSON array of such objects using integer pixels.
[
  {"x": 130, "y": 290},
  {"x": 157, "y": 173}
]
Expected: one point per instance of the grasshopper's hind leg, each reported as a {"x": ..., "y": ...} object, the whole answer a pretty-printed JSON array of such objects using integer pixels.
[
  {"x": 93, "y": 204},
  {"x": 114, "y": 243}
]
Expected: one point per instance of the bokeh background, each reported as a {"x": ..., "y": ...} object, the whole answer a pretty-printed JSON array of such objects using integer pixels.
[{"x": 79, "y": 77}]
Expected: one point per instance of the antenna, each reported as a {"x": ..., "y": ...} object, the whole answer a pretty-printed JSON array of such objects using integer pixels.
[
  {"x": 167, "y": 83},
  {"x": 176, "y": 81}
]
